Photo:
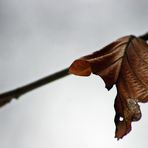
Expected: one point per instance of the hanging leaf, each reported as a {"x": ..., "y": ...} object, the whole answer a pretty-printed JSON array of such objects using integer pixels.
[{"x": 124, "y": 63}]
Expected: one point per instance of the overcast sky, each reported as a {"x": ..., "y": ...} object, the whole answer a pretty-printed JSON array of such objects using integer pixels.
[{"x": 39, "y": 37}]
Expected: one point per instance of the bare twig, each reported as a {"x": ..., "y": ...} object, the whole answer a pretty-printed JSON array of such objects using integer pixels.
[
  {"x": 16, "y": 93},
  {"x": 144, "y": 37}
]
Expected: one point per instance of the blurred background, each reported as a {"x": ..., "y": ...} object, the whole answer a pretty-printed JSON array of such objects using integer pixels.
[{"x": 40, "y": 37}]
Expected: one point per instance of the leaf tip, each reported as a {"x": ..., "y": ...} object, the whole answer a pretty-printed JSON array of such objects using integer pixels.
[
  {"x": 108, "y": 87},
  {"x": 80, "y": 67}
]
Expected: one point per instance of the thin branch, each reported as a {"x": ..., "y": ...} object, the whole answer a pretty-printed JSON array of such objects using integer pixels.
[
  {"x": 16, "y": 93},
  {"x": 144, "y": 37}
]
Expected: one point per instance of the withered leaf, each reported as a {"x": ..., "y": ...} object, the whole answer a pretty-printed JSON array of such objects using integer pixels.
[{"x": 124, "y": 63}]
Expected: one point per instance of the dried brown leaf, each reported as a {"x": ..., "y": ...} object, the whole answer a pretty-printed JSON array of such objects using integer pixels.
[{"x": 124, "y": 63}]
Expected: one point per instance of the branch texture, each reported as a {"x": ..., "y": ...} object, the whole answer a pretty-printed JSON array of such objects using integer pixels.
[
  {"x": 144, "y": 37},
  {"x": 16, "y": 93}
]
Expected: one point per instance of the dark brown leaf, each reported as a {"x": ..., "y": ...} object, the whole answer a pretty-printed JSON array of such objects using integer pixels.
[{"x": 124, "y": 63}]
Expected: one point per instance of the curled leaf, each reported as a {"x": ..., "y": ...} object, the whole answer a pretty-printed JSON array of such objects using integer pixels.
[{"x": 124, "y": 63}]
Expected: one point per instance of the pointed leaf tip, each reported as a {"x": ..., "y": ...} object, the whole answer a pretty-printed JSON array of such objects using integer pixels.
[{"x": 80, "y": 68}]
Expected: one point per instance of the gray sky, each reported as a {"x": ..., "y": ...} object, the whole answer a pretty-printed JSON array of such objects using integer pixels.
[{"x": 39, "y": 37}]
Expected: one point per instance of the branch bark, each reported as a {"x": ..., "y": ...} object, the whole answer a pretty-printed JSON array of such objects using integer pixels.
[
  {"x": 16, "y": 93},
  {"x": 144, "y": 36}
]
